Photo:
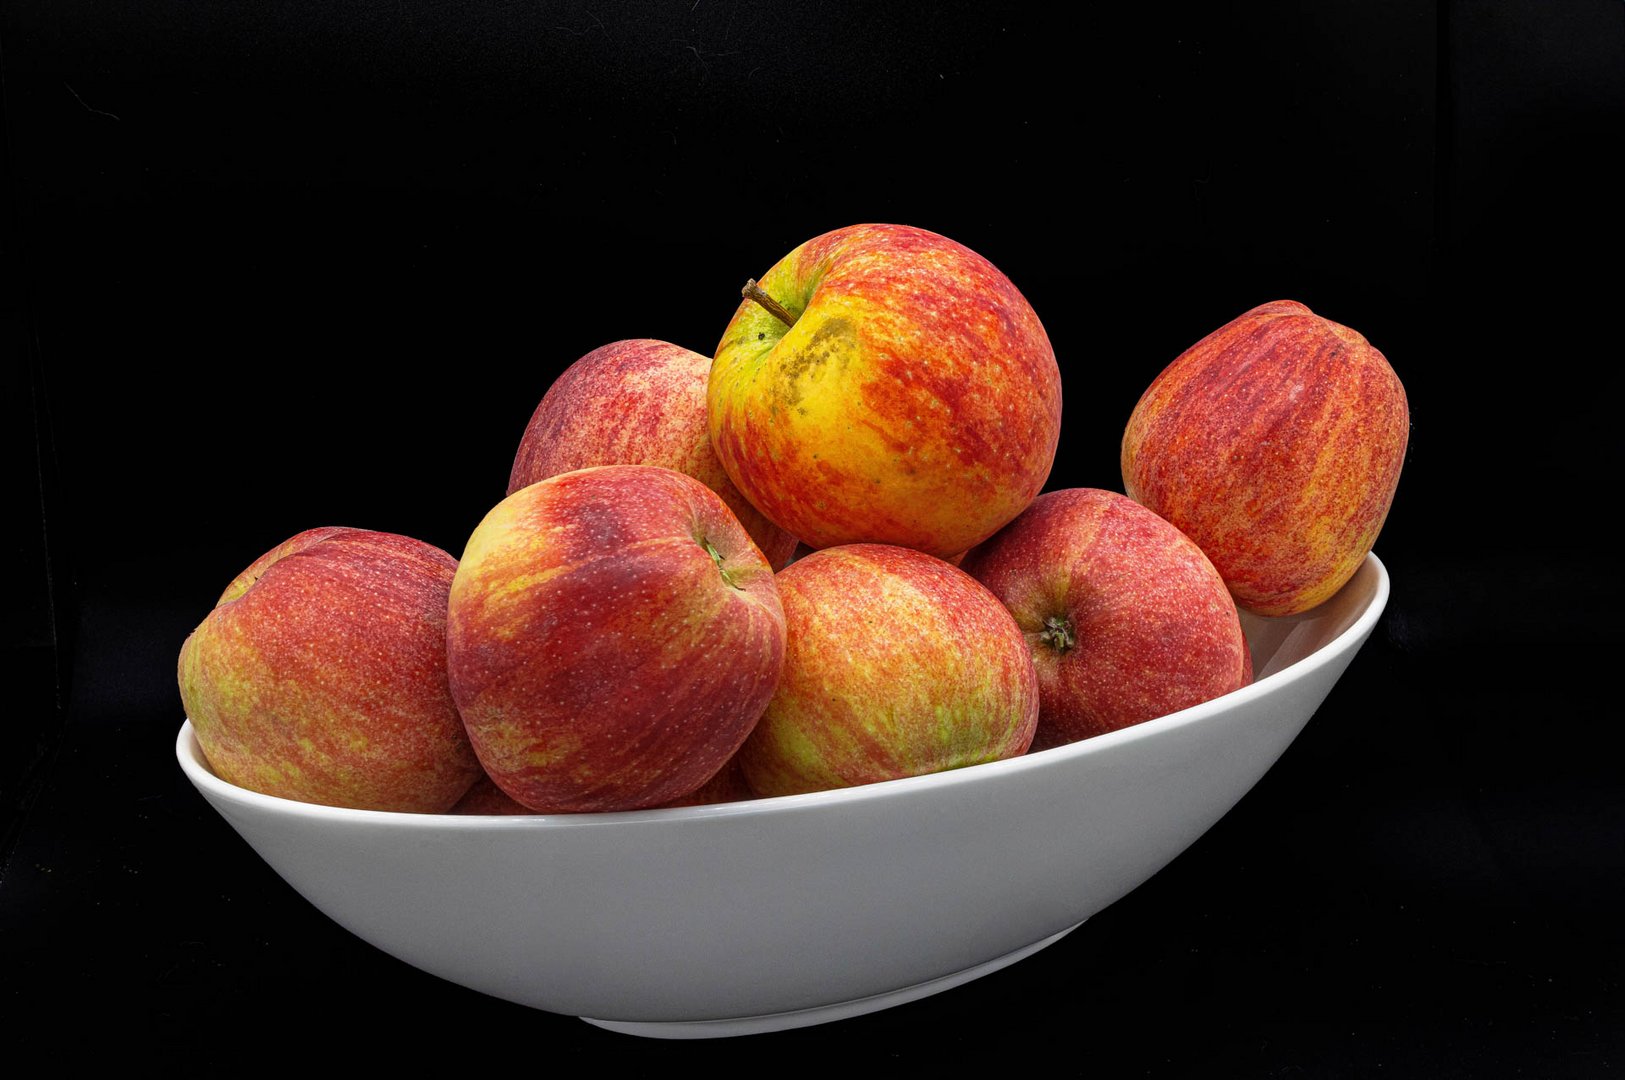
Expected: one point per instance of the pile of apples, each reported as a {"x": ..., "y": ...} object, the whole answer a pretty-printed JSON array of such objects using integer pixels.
[{"x": 629, "y": 628}]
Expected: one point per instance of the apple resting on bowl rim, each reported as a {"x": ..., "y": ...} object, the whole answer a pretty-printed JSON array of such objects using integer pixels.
[{"x": 898, "y": 889}]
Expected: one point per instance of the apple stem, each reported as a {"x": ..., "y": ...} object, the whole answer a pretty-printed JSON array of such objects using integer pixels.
[
  {"x": 1058, "y": 634},
  {"x": 716, "y": 556},
  {"x": 753, "y": 291}
]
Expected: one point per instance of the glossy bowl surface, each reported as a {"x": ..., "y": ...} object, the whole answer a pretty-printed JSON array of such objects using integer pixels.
[{"x": 776, "y": 913}]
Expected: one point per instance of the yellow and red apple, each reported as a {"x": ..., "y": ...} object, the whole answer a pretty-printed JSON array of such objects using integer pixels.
[
  {"x": 613, "y": 637},
  {"x": 886, "y": 385},
  {"x": 897, "y": 664},
  {"x": 1276, "y": 444},
  {"x": 320, "y": 676},
  {"x": 636, "y": 402},
  {"x": 1126, "y": 618}
]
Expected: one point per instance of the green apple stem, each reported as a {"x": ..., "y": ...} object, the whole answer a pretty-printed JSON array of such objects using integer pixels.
[
  {"x": 753, "y": 291},
  {"x": 1058, "y": 634},
  {"x": 717, "y": 557}
]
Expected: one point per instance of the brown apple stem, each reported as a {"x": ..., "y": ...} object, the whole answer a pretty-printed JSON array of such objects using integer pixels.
[
  {"x": 1058, "y": 634},
  {"x": 753, "y": 291}
]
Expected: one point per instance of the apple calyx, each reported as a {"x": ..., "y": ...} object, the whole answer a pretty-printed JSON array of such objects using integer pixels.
[
  {"x": 753, "y": 291},
  {"x": 1058, "y": 633},
  {"x": 716, "y": 556}
]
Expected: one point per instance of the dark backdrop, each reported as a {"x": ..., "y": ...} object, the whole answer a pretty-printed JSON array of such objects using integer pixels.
[{"x": 285, "y": 264}]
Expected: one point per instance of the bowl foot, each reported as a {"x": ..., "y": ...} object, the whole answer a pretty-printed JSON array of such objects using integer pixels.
[{"x": 819, "y": 1014}]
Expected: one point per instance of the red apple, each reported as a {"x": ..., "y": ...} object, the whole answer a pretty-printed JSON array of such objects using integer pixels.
[
  {"x": 321, "y": 676},
  {"x": 898, "y": 664},
  {"x": 638, "y": 402},
  {"x": 1126, "y": 618},
  {"x": 485, "y": 799},
  {"x": 1275, "y": 443},
  {"x": 904, "y": 393},
  {"x": 613, "y": 637},
  {"x": 726, "y": 786}
]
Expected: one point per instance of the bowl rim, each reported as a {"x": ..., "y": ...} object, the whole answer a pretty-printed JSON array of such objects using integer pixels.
[{"x": 189, "y": 753}]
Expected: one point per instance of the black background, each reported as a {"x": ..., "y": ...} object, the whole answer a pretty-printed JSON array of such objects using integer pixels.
[{"x": 285, "y": 264}]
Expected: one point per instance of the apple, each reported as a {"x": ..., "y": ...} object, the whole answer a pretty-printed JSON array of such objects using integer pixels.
[
  {"x": 886, "y": 384},
  {"x": 613, "y": 636},
  {"x": 485, "y": 799},
  {"x": 320, "y": 676},
  {"x": 1275, "y": 443},
  {"x": 638, "y": 402},
  {"x": 1126, "y": 618},
  {"x": 726, "y": 786},
  {"x": 897, "y": 664}
]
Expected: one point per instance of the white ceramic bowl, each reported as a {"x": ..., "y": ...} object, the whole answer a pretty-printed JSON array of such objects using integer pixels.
[{"x": 757, "y": 916}]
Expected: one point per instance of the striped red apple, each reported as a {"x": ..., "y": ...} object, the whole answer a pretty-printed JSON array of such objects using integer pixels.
[
  {"x": 1276, "y": 444},
  {"x": 320, "y": 675},
  {"x": 1126, "y": 618},
  {"x": 613, "y": 637},
  {"x": 636, "y": 402}
]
